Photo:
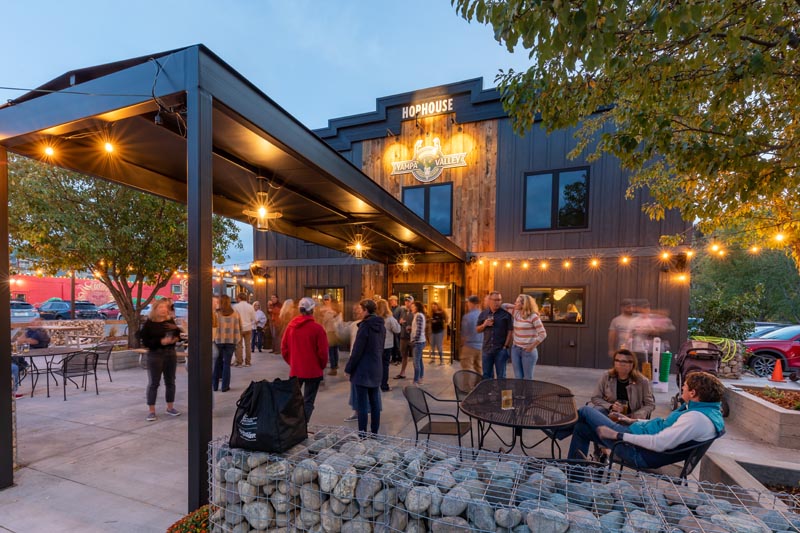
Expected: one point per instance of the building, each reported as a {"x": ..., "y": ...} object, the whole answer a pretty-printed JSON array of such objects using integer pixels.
[{"x": 531, "y": 219}]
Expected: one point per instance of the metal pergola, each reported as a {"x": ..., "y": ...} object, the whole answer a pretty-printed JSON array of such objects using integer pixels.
[{"x": 187, "y": 127}]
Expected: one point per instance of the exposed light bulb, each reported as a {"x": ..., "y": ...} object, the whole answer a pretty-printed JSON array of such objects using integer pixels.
[
  {"x": 779, "y": 237},
  {"x": 566, "y": 264},
  {"x": 625, "y": 259},
  {"x": 48, "y": 151},
  {"x": 109, "y": 147}
]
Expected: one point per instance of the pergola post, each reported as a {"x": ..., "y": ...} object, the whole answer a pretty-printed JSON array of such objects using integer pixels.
[
  {"x": 199, "y": 201},
  {"x": 6, "y": 438}
]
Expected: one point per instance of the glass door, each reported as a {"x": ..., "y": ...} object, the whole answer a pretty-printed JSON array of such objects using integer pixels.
[{"x": 444, "y": 294}]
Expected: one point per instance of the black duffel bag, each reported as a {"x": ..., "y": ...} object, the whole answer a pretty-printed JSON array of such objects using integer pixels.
[{"x": 269, "y": 417}]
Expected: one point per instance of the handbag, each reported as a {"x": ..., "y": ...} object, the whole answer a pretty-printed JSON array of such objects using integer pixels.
[{"x": 269, "y": 416}]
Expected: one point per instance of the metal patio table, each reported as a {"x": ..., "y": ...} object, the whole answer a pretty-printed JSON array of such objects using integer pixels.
[
  {"x": 48, "y": 355},
  {"x": 535, "y": 405}
]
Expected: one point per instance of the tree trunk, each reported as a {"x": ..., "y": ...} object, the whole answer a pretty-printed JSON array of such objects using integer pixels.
[{"x": 134, "y": 323}]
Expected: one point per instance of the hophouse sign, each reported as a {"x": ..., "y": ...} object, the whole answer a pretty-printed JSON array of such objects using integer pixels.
[
  {"x": 429, "y": 162},
  {"x": 430, "y": 107}
]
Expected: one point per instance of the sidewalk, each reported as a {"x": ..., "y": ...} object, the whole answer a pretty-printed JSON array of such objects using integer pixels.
[{"x": 94, "y": 464}]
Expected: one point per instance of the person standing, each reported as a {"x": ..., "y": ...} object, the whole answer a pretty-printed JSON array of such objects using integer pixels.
[
  {"x": 418, "y": 340},
  {"x": 392, "y": 329},
  {"x": 497, "y": 326},
  {"x": 248, "y": 316},
  {"x": 528, "y": 333},
  {"x": 395, "y": 309},
  {"x": 404, "y": 317},
  {"x": 288, "y": 312},
  {"x": 329, "y": 317},
  {"x": 274, "y": 313},
  {"x": 227, "y": 335},
  {"x": 619, "y": 331},
  {"x": 159, "y": 335},
  {"x": 304, "y": 347},
  {"x": 438, "y": 324},
  {"x": 365, "y": 368},
  {"x": 258, "y": 333},
  {"x": 471, "y": 339}
]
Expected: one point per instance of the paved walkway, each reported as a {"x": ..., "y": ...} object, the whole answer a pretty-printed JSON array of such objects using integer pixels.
[{"x": 94, "y": 464}]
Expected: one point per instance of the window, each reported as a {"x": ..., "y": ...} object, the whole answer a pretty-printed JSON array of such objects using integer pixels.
[
  {"x": 337, "y": 294},
  {"x": 433, "y": 204},
  {"x": 559, "y": 304},
  {"x": 175, "y": 288},
  {"x": 556, "y": 200}
]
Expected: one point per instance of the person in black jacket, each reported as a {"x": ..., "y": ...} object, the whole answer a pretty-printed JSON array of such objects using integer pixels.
[
  {"x": 365, "y": 367},
  {"x": 159, "y": 335}
]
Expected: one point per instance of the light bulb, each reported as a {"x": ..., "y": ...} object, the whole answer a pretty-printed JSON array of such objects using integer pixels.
[
  {"x": 48, "y": 151},
  {"x": 779, "y": 237},
  {"x": 262, "y": 211},
  {"x": 543, "y": 265},
  {"x": 664, "y": 255},
  {"x": 508, "y": 264},
  {"x": 594, "y": 263},
  {"x": 625, "y": 259},
  {"x": 715, "y": 247},
  {"x": 566, "y": 264},
  {"x": 525, "y": 265},
  {"x": 109, "y": 147}
]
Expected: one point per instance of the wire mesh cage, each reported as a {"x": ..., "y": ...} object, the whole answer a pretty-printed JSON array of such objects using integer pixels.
[{"x": 340, "y": 480}]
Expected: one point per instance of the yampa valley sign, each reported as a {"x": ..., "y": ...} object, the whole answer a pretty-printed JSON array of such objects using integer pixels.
[{"x": 429, "y": 162}]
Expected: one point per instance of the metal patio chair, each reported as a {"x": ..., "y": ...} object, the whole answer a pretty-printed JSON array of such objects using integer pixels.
[
  {"x": 78, "y": 365},
  {"x": 431, "y": 421},
  {"x": 103, "y": 351}
]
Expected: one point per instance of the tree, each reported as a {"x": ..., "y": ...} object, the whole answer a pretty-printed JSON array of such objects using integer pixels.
[
  {"x": 698, "y": 99},
  {"x": 65, "y": 221}
]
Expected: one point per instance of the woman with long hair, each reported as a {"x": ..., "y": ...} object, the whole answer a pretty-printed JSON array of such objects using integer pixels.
[
  {"x": 159, "y": 335},
  {"x": 623, "y": 389},
  {"x": 418, "y": 339},
  {"x": 288, "y": 312},
  {"x": 227, "y": 335},
  {"x": 392, "y": 329},
  {"x": 529, "y": 333}
]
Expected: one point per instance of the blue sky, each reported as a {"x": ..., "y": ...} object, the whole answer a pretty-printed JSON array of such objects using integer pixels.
[{"x": 317, "y": 59}]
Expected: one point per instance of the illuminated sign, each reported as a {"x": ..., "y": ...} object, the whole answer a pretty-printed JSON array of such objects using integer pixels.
[
  {"x": 424, "y": 109},
  {"x": 428, "y": 162}
]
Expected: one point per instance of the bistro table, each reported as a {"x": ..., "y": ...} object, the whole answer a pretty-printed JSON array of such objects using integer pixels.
[
  {"x": 535, "y": 405},
  {"x": 46, "y": 355}
]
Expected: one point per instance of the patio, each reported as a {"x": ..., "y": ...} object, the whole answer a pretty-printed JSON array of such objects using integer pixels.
[{"x": 92, "y": 463}]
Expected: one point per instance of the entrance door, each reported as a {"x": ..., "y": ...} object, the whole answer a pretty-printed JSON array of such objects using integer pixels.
[{"x": 442, "y": 293}]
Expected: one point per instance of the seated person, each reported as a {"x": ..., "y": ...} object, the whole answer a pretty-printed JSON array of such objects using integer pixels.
[
  {"x": 15, "y": 381},
  {"x": 573, "y": 315},
  {"x": 36, "y": 337},
  {"x": 624, "y": 383},
  {"x": 697, "y": 420}
]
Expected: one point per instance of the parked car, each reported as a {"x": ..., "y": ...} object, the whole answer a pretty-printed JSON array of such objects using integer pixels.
[
  {"x": 181, "y": 309},
  {"x": 762, "y": 328},
  {"x": 60, "y": 310},
  {"x": 23, "y": 311},
  {"x": 783, "y": 343},
  {"x": 110, "y": 311}
]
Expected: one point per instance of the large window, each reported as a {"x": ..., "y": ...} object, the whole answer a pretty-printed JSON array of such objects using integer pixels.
[
  {"x": 557, "y": 200},
  {"x": 433, "y": 203},
  {"x": 559, "y": 304}
]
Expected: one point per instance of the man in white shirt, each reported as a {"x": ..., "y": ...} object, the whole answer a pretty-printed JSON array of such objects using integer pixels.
[
  {"x": 247, "y": 315},
  {"x": 697, "y": 420}
]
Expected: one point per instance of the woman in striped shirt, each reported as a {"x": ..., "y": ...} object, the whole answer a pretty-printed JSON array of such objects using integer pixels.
[{"x": 528, "y": 334}]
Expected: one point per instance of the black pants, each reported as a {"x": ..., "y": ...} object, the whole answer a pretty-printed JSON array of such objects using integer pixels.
[
  {"x": 368, "y": 399},
  {"x": 161, "y": 362},
  {"x": 310, "y": 388},
  {"x": 387, "y": 357}
]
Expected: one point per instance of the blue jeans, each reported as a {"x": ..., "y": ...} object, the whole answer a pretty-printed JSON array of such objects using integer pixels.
[
  {"x": 15, "y": 376},
  {"x": 387, "y": 357},
  {"x": 523, "y": 362},
  {"x": 368, "y": 399},
  {"x": 419, "y": 369},
  {"x": 222, "y": 366},
  {"x": 257, "y": 340},
  {"x": 333, "y": 356},
  {"x": 437, "y": 344},
  {"x": 494, "y": 361}
]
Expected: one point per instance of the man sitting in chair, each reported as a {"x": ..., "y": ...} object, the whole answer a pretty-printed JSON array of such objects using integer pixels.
[{"x": 697, "y": 420}]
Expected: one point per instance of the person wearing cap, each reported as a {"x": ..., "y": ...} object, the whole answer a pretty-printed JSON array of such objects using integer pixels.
[
  {"x": 619, "y": 331},
  {"x": 404, "y": 318},
  {"x": 365, "y": 368},
  {"x": 329, "y": 318},
  {"x": 304, "y": 347},
  {"x": 472, "y": 340}
]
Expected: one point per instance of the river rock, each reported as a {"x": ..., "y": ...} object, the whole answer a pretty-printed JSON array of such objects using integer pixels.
[
  {"x": 500, "y": 491},
  {"x": 643, "y": 523},
  {"x": 439, "y": 476},
  {"x": 280, "y": 501},
  {"x": 222, "y": 466},
  {"x": 353, "y": 448},
  {"x": 279, "y": 470},
  {"x": 233, "y": 475},
  {"x": 257, "y": 458},
  {"x": 233, "y": 514},
  {"x": 436, "y": 501},
  {"x": 556, "y": 477},
  {"x": 418, "y": 499},
  {"x": 547, "y": 521},
  {"x": 364, "y": 462},
  {"x": 531, "y": 491},
  {"x": 583, "y": 521},
  {"x": 611, "y": 522},
  {"x": 450, "y": 524},
  {"x": 357, "y": 525},
  {"x": 346, "y": 488},
  {"x": 311, "y": 497},
  {"x": 481, "y": 515},
  {"x": 416, "y": 526},
  {"x": 507, "y": 517},
  {"x": 384, "y": 499},
  {"x": 305, "y": 472},
  {"x": 258, "y": 514},
  {"x": 399, "y": 519},
  {"x": 247, "y": 492},
  {"x": 330, "y": 521},
  {"x": 463, "y": 474},
  {"x": 474, "y": 487},
  {"x": 455, "y": 502},
  {"x": 366, "y": 488},
  {"x": 741, "y": 523},
  {"x": 328, "y": 477},
  {"x": 414, "y": 470},
  {"x": 692, "y": 524}
]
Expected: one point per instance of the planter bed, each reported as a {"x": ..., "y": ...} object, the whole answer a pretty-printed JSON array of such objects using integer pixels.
[{"x": 763, "y": 420}]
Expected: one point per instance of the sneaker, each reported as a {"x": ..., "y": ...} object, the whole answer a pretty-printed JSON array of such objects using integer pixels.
[
  {"x": 173, "y": 412},
  {"x": 351, "y": 418},
  {"x": 247, "y": 364},
  {"x": 236, "y": 364},
  {"x": 151, "y": 417},
  {"x": 17, "y": 395}
]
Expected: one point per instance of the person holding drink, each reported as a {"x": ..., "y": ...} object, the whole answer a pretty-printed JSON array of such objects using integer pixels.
[
  {"x": 159, "y": 334},
  {"x": 623, "y": 389}
]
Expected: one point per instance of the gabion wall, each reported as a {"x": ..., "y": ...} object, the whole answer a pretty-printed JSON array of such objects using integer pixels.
[{"x": 340, "y": 481}]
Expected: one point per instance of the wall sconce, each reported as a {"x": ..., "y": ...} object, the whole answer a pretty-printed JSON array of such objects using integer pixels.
[{"x": 261, "y": 213}]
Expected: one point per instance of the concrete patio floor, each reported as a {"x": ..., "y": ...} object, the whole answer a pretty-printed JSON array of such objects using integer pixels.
[{"x": 94, "y": 464}]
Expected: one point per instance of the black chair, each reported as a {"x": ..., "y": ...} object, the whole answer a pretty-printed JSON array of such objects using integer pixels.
[
  {"x": 690, "y": 453},
  {"x": 420, "y": 412},
  {"x": 464, "y": 381},
  {"x": 78, "y": 365},
  {"x": 103, "y": 351}
]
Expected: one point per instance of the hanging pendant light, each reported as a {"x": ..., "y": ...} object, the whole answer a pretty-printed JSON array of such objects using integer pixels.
[
  {"x": 405, "y": 261},
  {"x": 261, "y": 213},
  {"x": 358, "y": 247}
]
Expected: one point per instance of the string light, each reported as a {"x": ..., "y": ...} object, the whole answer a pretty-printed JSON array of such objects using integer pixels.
[
  {"x": 543, "y": 265},
  {"x": 665, "y": 256},
  {"x": 779, "y": 237},
  {"x": 566, "y": 264},
  {"x": 508, "y": 264},
  {"x": 494, "y": 263},
  {"x": 594, "y": 263},
  {"x": 525, "y": 265},
  {"x": 715, "y": 247},
  {"x": 625, "y": 260},
  {"x": 480, "y": 262},
  {"x": 109, "y": 148},
  {"x": 754, "y": 249}
]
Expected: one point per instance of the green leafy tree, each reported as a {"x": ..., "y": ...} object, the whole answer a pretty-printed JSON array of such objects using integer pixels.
[
  {"x": 739, "y": 272},
  {"x": 65, "y": 221},
  {"x": 729, "y": 318},
  {"x": 698, "y": 99}
]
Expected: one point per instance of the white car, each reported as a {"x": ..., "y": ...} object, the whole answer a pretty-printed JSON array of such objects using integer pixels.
[
  {"x": 181, "y": 309},
  {"x": 23, "y": 311}
]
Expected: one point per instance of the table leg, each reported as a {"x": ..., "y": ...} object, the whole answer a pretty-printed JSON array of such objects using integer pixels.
[{"x": 34, "y": 373}]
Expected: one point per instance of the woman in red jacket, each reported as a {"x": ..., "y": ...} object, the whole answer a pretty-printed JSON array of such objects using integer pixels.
[{"x": 305, "y": 348}]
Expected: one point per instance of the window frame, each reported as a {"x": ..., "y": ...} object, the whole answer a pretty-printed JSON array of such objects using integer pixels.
[
  {"x": 427, "y": 202},
  {"x": 527, "y": 289},
  {"x": 554, "y": 193}
]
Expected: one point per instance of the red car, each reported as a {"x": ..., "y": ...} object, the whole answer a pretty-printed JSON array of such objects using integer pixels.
[{"x": 782, "y": 343}]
